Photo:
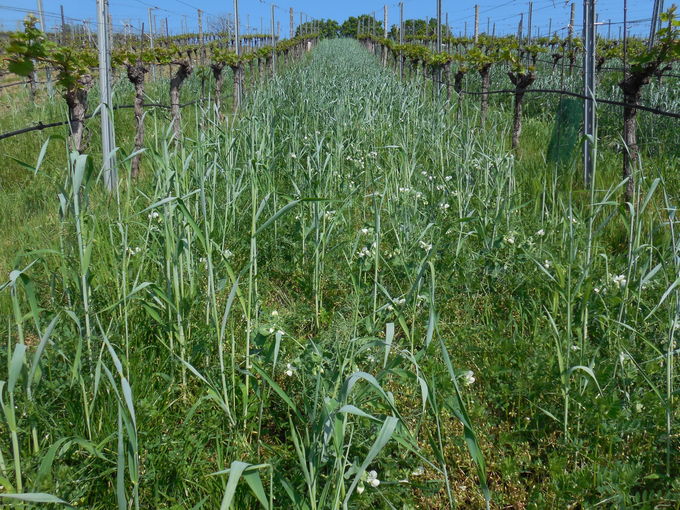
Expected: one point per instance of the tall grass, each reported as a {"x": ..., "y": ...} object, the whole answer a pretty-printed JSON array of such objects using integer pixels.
[{"x": 349, "y": 296}]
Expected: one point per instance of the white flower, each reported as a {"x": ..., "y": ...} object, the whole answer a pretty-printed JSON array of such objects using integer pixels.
[
  {"x": 468, "y": 377},
  {"x": 360, "y": 489},
  {"x": 623, "y": 357},
  {"x": 366, "y": 251},
  {"x": 280, "y": 332},
  {"x": 373, "y": 479},
  {"x": 639, "y": 407},
  {"x": 620, "y": 280},
  {"x": 444, "y": 206},
  {"x": 289, "y": 370},
  {"x": 419, "y": 471},
  {"x": 540, "y": 233},
  {"x": 227, "y": 253},
  {"x": 275, "y": 313},
  {"x": 575, "y": 348},
  {"x": 365, "y": 231},
  {"x": 293, "y": 155},
  {"x": 448, "y": 178},
  {"x": 596, "y": 290},
  {"x": 154, "y": 215},
  {"x": 509, "y": 239},
  {"x": 424, "y": 173},
  {"x": 547, "y": 264},
  {"x": 425, "y": 246},
  {"x": 271, "y": 330},
  {"x": 134, "y": 251},
  {"x": 329, "y": 214}
]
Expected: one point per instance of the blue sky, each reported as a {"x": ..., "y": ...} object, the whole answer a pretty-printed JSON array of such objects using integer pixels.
[{"x": 505, "y": 13}]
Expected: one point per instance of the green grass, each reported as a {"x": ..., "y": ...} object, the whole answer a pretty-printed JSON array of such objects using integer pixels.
[{"x": 348, "y": 277}]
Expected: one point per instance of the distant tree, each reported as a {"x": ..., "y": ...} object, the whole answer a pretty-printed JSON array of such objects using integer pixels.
[
  {"x": 415, "y": 27},
  {"x": 419, "y": 27},
  {"x": 220, "y": 24},
  {"x": 328, "y": 28},
  {"x": 349, "y": 27}
]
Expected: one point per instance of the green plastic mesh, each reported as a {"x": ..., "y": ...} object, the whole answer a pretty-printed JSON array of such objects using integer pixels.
[{"x": 566, "y": 131}]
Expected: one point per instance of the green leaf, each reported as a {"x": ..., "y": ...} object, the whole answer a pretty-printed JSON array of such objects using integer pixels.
[
  {"x": 237, "y": 470},
  {"x": 21, "y": 67},
  {"x": 588, "y": 371},
  {"x": 39, "y": 350},
  {"x": 279, "y": 391},
  {"x": 457, "y": 407},
  {"x": 252, "y": 478},
  {"x": 283, "y": 211},
  {"x": 15, "y": 366},
  {"x": 389, "y": 337},
  {"x": 350, "y": 409},
  {"x": 385, "y": 434},
  {"x": 35, "y": 497}
]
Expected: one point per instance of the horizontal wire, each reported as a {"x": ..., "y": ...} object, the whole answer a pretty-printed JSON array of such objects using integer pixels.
[{"x": 40, "y": 126}]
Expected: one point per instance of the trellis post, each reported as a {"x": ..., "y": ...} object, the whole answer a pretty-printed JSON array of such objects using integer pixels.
[
  {"x": 588, "y": 89},
  {"x": 108, "y": 134}
]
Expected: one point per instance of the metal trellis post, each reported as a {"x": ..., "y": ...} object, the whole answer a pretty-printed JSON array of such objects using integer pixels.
[
  {"x": 588, "y": 89},
  {"x": 273, "y": 42},
  {"x": 108, "y": 134},
  {"x": 237, "y": 43},
  {"x": 48, "y": 72},
  {"x": 401, "y": 39}
]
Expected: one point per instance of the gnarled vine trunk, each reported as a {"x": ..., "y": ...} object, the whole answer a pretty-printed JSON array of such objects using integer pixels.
[
  {"x": 447, "y": 73},
  {"x": 184, "y": 70},
  {"x": 238, "y": 80},
  {"x": 217, "y": 69},
  {"x": 135, "y": 73},
  {"x": 572, "y": 62},
  {"x": 556, "y": 57},
  {"x": 521, "y": 82},
  {"x": 458, "y": 87},
  {"x": 485, "y": 73},
  {"x": 32, "y": 85},
  {"x": 76, "y": 99},
  {"x": 632, "y": 92}
]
